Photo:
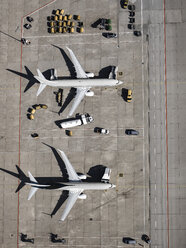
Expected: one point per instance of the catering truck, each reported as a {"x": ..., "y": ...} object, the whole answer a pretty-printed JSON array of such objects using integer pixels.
[{"x": 77, "y": 121}]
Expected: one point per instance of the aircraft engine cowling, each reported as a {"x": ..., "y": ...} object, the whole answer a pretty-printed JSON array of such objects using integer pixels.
[
  {"x": 89, "y": 93},
  {"x": 82, "y": 196},
  {"x": 82, "y": 176},
  {"x": 90, "y": 74}
]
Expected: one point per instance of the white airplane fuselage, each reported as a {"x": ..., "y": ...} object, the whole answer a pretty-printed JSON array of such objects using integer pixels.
[
  {"x": 86, "y": 186},
  {"x": 77, "y": 186},
  {"x": 84, "y": 82}
]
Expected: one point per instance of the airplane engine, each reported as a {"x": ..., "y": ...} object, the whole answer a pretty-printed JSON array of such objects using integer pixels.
[
  {"x": 82, "y": 196},
  {"x": 90, "y": 74},
  {"x": 82, "y": 176},
  {"x": 89, "y": 93}
]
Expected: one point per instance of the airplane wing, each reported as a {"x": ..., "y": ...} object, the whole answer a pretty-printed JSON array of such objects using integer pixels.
[
  {"x": 80, "y": 73},
  {"x": 80, "y": 93},
  {"x": 73, "y": 196},
  {"x": 72, "y": 175},
  {"x": 62, "y": 199}
]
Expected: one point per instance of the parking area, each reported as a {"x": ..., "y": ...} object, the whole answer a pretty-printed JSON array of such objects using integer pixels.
[{"x": 104, "y": 218}]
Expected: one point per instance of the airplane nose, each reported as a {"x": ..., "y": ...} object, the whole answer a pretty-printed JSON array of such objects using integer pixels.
[{"x": 113, "y": 186}]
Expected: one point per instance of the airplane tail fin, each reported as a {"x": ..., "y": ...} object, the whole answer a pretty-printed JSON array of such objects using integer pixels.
[
  {"x": 32, "y": 192},
  {"x": 42, "y": 80},
  {"x": 32, "y": 179}
]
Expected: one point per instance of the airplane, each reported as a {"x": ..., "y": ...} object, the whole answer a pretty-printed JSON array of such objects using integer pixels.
[
  {"x": 71, "y": 184},
  {"x": 82, "y": 83}
]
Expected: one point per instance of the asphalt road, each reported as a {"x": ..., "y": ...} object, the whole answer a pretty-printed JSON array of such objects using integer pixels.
[{"x": 167, "y": 60}]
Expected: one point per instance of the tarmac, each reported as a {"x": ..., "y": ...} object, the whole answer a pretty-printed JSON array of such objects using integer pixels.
[{"x": 104, "y": 218}]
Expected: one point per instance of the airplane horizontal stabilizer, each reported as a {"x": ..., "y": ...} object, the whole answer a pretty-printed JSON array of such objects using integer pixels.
[
  {"x": 41, "y": 88},
  {"x": 32, "y": 179},
  {"x": 32, "y": 192},
  {"x": 42, "y": 81}
]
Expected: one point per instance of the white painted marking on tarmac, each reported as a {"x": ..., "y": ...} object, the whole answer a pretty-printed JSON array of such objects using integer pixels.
[
  {"x": 75, "y": 35},
  {"x": 155, "y": 224},
  {"x": 144, "y": 172},
  {"x": 154, "y": 150},
  {"x": 155, "y": 186},
  {"x": 154, "y": 92}
]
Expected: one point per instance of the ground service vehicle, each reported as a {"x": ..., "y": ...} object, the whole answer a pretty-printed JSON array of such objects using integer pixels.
[
  {"x": 124, "y": 4},
  {"x": 78, "y": 121},
  {"x": 101, "y": 130},
  {"x": 131, "y": 7},
  {"x": 128, "y": 240},
  {"x": 146, "y": 238},
  {"x": 129, "y": 96},
  {"x": 131, "y": 132},
  {"x": 109, "y": 35},
  {"x": 137, "y": 33}
]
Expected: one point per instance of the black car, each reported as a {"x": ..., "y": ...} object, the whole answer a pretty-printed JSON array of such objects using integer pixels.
[
  {"x": 137, "y": 33},
  {"x": 131, "y": 7},
  {"x": 146, "y": 238},
  {"x": 131, "y": 132},
  {"x": 131, "y": 19},
  {"x": 128, "y": 240},
  {"x": 131, "y": 13},
  {"x": 131, "y": 26},
  {"x": 27, "y": 26},
  {"x": 29, "y": 19},
  {"x": 109, "y": 35}
]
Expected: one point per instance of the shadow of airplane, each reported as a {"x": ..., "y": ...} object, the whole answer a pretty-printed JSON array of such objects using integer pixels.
[
  {"x": 96, "y": 173},
  {"x": 29, "y": 76},
  {"x": 10, "y": 36},
  {"x": 72, "y": 71},
  {"x": 68, "y": 62},
  {"x": 59, "y": 161},
  {"x": 69, "y": 98}
]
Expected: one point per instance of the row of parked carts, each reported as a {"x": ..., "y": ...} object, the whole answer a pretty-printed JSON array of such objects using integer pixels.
[{"x": 63, "y": 23}]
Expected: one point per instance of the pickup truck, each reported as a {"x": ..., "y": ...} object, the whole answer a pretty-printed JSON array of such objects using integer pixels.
[{"x": 77, "y": 121}]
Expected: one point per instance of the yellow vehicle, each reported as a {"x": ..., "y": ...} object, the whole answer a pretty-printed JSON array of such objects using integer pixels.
[
  {"x": 124, "y": 4},
  {"x": 129, "y": 96},
  {"x": 31, "y": 117},
  {"x": 32, "y": 111},
  {"x": 36, "y": 106},
  {"x": 43, "y": 106}
]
